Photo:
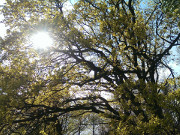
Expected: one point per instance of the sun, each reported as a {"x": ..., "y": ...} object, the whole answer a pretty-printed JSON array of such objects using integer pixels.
[{"x": 41, "y": 40}]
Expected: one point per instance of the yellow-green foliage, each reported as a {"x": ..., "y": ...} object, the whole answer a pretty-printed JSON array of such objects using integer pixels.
[{"x": 113, "y": 47}]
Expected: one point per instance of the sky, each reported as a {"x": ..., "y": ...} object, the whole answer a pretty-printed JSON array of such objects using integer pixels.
[
  {"x": 2, "y": 26},
  {"x": 68, "y": 6},
  {"x": 163, "y": 73}
]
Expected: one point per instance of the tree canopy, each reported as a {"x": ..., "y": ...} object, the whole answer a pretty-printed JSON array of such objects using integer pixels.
[{"x": 104, "y": 67}]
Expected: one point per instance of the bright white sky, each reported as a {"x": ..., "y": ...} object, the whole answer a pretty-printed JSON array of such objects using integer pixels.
[
  {"x": 68, "y": 6},
  {"x": 2, "y": 26}
]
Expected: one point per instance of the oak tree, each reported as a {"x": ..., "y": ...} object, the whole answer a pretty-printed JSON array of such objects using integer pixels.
[{"x": 106, "y": 59}]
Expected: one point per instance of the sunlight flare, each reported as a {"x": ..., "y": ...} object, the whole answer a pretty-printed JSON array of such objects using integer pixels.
[{"x": 41, "y": 40}]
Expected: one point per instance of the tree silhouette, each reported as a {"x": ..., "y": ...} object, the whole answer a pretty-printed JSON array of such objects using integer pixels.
[{"x": 105, "y": 60}]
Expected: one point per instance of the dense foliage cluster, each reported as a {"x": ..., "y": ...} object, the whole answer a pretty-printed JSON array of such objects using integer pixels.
[{"x": 104, "y": 68}]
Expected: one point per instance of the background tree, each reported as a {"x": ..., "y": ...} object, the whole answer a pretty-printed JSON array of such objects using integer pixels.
[
  {"x": 171, "y": 5},
  {"x": 112, "y": 47},
  {"x": 171, "y": 8}
]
